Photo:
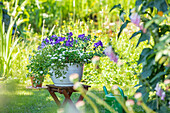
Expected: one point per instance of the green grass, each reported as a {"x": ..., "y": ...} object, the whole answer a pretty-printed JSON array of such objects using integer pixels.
[{"x": 16, "y": 98}]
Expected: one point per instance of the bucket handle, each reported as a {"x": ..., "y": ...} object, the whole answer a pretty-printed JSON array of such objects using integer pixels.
[
  {"x": 120, "y": 90},
  {"x": 105, "y": 90}
]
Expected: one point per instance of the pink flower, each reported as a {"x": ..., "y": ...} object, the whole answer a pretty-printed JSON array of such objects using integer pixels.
[
  {"x": 142, "y": 28},
  {"x": 163, "y": 96},
  {"x": 160, "y": 92},
  {"x": 109, "y": 52},
  {"x": 135, "y": 18}
]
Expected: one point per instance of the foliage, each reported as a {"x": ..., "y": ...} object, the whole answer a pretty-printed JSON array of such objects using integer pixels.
[
  {"x": 55, "y": 52},
  {"x": 7, "y": 42},
  {"x": 152, "y": 18},
  {"x": 124, "y": 73}
]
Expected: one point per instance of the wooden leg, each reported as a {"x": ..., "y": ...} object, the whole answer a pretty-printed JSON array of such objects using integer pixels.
[
  {"x": 67, "y": 97},
  {"x": 81, "y": 97},
  {"x": 54, "y": 97}
]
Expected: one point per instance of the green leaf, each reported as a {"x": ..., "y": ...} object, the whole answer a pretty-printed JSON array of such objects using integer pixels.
[
  {"x": 146, "y": 72},
  {"x": 136, "y": 33},
  {"x": 145, "y": 53},
  {"x": 144, "y": 37},
  {"x": 161, "y": 5},
  {"x": 158, "y": 76},
  {"x": 149, "y": 23},
  {"x": 152, "y": 104},
  {"x": 144, "y": 92},
  {"x": 138, "y": 2},
  {"x": 163, "y": 109},
  {"x": 122, "y": 27},
  {"x": 121, "y": 14},
  {"x": 115, "y": 6},
  {"x": 158, "y": 56}
]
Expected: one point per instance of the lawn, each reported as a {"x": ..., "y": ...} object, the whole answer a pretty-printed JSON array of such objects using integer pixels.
[{"x": 16, "y": 98}]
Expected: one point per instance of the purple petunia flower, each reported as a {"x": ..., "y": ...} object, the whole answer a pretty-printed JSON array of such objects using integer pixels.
[
  {"x": 54, "y": 36},
  {"x": 39, "y": 47},
  {"x": 99, "y": 43},
  {"x": 61, "y": 39},
  {"x": 57, "y": 41},
  {"x": 42, "y": 46},
  {"x": 70, "y": 34},
  {"x": 87, "y": 39},
  {"x": 46, "y": 41},
  {"x": 81, "y": 36},
  {"x": 51, "y": 41},
  {"x": 69, "y": 44},
  {"x": 70, "y": 40}
]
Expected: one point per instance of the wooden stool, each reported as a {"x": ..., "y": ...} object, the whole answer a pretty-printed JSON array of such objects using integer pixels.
[{"x": 66, "y": 91}]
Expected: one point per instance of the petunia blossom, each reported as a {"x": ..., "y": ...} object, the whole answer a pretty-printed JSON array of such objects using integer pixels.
[
  {"x": 99, "y": 43},
  {"x": 135, "y": 18},
  {"x": 81, "y": 36},
  {"x": 109, "y": 52},
  {"x": 70, "y": 34}
]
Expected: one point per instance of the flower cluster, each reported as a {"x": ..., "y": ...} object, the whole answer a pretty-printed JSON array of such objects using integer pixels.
[
  {"x": 135, "y": 18},
  {"x": 111, "y": 54},
  {"x": 55, "y": 51},
  {"x": 160, "y": 92}
]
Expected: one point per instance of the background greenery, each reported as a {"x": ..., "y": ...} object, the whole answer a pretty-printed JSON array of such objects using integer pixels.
[{"x": 78, "y": 16}]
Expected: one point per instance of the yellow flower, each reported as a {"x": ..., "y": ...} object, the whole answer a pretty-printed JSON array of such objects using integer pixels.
[
  {"x": 91, "y": 21},
  {"x": 160, "y": 13},
  {"x": 89, "y": 10},
  {"x": 70, "y": 27},
  {"x": 135, "y": 76},
  {"x": 62, "y": 26},
  {"x": 71, "y": 14}
]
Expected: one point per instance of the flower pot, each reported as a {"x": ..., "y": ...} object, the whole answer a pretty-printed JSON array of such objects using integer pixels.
[
  {"x": 76, "y": 68},
  {"x": 35, "y": 84}
]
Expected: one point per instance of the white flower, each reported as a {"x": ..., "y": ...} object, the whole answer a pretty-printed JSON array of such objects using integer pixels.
[
  {"x": 53, "y": 74},
  {"x": 52, "y": 57},
  {"x": 51, "y": 69},
  {"x": 85, "y": 60},
  {"x": 48, "y": 55},
  {"x": 107, "y": 27},
  {"x": 29, "y": 57},
  {"x": 81, "y": 54},
  {"x": 41, "y": 72},
  {"x": 29, "y": 69},
  {"x": 52, "y": 64},
  {"x": 112, "y": 24},
  {"x": 59, "y": 59}
]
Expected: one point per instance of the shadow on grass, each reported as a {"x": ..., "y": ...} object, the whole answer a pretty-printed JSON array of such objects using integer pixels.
[{"x": 15, "y": 98}]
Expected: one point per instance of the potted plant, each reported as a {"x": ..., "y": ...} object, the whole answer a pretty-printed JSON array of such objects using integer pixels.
[{"x": 61, "y": 56}]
